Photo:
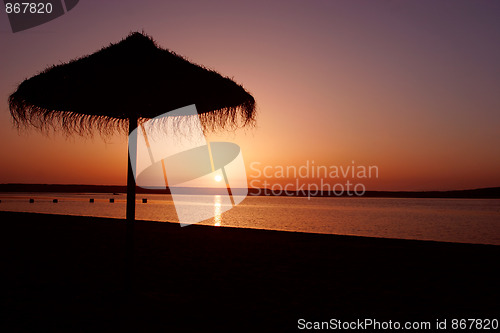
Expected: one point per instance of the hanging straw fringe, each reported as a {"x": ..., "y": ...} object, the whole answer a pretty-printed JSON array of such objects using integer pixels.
[{"x": 133, "y": 78}]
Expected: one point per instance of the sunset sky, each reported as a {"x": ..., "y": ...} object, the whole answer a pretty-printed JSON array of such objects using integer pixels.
[{"x": 412, "y": 87}]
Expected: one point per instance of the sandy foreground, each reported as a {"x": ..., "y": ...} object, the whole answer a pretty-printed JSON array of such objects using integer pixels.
[{"x": 67, "y": 274}]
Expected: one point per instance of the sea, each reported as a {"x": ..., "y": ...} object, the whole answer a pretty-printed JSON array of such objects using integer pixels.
[{"x": 448, "y": 220}]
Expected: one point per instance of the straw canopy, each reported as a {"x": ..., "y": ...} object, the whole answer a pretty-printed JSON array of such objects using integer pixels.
[{"x": 132, "y": 79}]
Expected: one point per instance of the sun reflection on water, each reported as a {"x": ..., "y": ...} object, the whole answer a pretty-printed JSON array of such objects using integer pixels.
[{"x": 217, "y": 210}]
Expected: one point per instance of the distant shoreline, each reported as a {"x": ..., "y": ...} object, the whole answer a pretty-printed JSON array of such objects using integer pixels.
[{"x": 481, "y": 193}]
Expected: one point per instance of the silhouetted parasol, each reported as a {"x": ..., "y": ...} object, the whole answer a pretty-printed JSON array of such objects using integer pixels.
[{"x": 122, "y": 84}]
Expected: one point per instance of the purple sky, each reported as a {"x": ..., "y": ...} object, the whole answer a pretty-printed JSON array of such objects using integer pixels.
[{"x": 410, "y": 86}]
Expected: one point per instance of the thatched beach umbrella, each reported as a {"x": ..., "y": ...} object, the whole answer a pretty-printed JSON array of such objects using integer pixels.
[{"x": 122, "y": 84}]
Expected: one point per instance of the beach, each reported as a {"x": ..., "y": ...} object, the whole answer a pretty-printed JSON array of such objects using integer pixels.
[{"x": 67, "y": 274}]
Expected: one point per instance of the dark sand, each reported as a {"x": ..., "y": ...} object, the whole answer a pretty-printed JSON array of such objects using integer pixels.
[{"x": 65, "y": 274}]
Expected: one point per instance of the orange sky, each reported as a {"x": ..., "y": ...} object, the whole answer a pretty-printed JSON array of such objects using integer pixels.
[{"x": 411, "y": 87}]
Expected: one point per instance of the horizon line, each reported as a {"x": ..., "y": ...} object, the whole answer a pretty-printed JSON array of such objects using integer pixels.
[{"x": 483, "y": 192}]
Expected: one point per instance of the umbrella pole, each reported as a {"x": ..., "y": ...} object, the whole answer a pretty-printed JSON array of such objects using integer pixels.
[
  {"x": 130, "y": 215},
  {"x": 132, "y": 125}
]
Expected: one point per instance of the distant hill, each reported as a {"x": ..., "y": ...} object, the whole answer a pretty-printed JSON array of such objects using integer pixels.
[{"x": 481, "y": 193}]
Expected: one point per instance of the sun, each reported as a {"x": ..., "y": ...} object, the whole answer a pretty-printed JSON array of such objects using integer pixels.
[{"x": 218, "y": 178}]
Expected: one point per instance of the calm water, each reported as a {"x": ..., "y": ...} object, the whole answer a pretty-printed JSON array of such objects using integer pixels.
[{"x": 453, "y": 220}]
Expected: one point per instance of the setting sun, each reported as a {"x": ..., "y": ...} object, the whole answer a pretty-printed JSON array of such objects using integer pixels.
[{"x": 218, "y": 178}]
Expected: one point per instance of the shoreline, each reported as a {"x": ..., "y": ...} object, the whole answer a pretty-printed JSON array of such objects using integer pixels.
[
  {"x": 116, "y": 219},
  {"x": 66, "y": 273},
  {"x": 479, "y": 193}
]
